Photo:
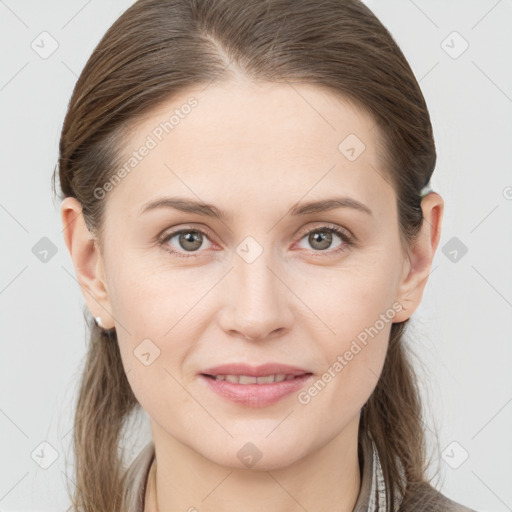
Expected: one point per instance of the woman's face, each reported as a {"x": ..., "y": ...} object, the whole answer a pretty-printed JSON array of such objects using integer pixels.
[{"x": 252, "y": 286}]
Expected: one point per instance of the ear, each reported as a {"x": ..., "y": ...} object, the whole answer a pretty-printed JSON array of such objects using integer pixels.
[
  {"x": 87, "y": 261},
  {"x": 417, "y": 266}
]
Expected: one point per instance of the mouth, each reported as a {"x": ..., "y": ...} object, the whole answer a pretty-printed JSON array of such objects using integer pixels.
[
  {"x": 249, "y": 379},
  {"x": 246, "y": 371},
  {"x": 252, "y": 386}
]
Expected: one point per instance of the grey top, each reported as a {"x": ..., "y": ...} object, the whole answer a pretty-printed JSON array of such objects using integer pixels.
[{"x": 372, "y": 495}]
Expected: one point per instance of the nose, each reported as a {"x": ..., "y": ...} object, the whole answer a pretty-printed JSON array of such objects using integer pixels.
[{"x": 257, "y": 304}]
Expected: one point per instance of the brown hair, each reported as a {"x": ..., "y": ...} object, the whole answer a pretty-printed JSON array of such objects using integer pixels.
[{"x": 159, "y": 47}]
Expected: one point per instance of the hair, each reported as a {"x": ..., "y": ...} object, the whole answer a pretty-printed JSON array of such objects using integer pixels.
[{"x": 158, "y": 48}]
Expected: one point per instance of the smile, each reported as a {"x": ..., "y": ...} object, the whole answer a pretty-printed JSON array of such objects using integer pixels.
[
  {"x": 248, "y": 379},
  {"x": 255, "y": 392}
]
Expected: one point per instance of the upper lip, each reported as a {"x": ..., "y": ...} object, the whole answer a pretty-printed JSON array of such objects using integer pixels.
[{"x": 255, "y": 371}]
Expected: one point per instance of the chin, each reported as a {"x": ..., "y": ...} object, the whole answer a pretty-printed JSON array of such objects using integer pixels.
[{"x": 264, "y": 455}]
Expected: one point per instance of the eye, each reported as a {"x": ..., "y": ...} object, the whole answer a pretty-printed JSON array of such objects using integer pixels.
[
  {"x": 187, "y": 240},
  {"x": 320, "y": 238},
  {"x": 191, "y": 240}
]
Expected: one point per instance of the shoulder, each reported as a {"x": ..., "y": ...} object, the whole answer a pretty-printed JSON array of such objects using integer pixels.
[{"x": 423, "y": 497}]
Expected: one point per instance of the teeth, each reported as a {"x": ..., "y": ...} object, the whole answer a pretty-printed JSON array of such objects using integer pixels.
[
  {"x": 246, "y": 379},
  {"x": 264, "y": 380}
]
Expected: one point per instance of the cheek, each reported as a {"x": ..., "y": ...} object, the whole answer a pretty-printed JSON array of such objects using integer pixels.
[
  {"x": 145, "y": 300},
  {"x": 160, "y": 309},
  {"x": 352, "y": 370},
  {"x": 350, "y": 299},
  {"x": 154, "y": 369},
  {"x": 356, "y": 308}
]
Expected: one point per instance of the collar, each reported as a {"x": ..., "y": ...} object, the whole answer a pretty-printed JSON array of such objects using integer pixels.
[{"x": 373, "y": 494}]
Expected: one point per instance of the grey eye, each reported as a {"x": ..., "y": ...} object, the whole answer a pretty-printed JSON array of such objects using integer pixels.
[
  {"x": 321, "y": 239},
  {"x": 189, "y": 240}
]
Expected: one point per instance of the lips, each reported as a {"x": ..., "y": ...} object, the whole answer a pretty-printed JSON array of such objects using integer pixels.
[
  {"x": 254, "y": 395},
  {"x": 242, "y": 373},
  {"x": 254, "y": 386}
]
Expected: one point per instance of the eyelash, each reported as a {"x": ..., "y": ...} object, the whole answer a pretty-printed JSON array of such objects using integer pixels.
[{"x": 327, "y": 228}]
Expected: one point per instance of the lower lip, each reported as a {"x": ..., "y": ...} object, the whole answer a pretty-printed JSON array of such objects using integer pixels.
[{"x": 256, "y": 395}]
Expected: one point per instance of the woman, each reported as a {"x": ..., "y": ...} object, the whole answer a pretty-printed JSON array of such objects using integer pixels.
[{"x": 246, "y": 204}]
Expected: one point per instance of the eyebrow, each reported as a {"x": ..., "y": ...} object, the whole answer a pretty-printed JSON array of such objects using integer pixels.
[{"x": 209, "y": 210}]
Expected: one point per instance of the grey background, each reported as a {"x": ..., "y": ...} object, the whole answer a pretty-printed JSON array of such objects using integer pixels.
[{"x": 461, "y": 332}]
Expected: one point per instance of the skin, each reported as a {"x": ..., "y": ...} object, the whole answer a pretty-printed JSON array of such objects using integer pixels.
[{"x": 253, "y": 150}]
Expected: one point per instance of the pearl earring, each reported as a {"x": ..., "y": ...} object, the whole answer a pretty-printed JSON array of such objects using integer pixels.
[{"x": 99, "y": 323}]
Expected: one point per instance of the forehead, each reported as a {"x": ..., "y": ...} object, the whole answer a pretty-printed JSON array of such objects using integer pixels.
[{"x": 261, "y": 141}]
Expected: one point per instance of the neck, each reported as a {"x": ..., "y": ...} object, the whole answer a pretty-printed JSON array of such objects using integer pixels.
[{"x": 326, "y": 479}]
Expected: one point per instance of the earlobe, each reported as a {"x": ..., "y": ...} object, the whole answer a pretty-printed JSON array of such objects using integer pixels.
[
  {"x": 87, "y": 260},
  {"x": 421, "y": 254}
]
